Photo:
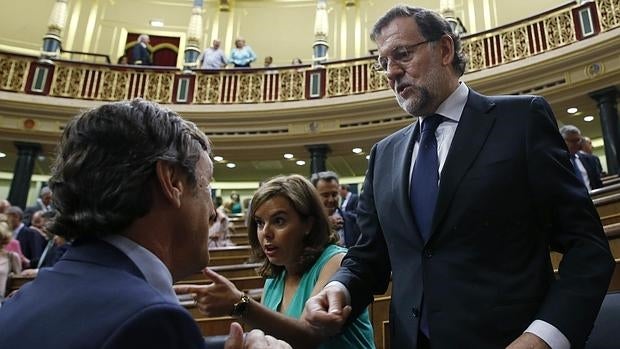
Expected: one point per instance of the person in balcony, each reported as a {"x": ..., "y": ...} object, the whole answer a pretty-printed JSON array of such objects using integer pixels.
[
  {"x": 212, "y": 57},
  {"x": 140, "y": 54},
  {"x": 290, "y": 232},
  {"x": 460, "y": 209},
  {"x": 242, "y": 55}
]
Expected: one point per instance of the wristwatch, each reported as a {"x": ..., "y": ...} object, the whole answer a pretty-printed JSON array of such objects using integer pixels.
[{"x": 240, "y": 308}]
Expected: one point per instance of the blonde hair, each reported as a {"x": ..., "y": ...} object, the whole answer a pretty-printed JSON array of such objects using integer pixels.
[{"x": 5, "y": 234}]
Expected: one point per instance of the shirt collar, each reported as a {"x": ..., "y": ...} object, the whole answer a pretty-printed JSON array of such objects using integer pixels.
[
  {"x": 452, "y": 107},
  {"x": 153, "y": 269},
  {"x": 16, "y": 230}
]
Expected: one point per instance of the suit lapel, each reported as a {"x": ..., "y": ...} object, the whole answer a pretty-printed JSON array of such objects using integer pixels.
[{"x": 471, "y": 134}]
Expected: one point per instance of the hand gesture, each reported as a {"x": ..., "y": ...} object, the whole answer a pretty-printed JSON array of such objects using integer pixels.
[
  {"x": 256, "y": 339},
  {"x": 216, "y": 299},
  {"x": 327, "y": 312}
]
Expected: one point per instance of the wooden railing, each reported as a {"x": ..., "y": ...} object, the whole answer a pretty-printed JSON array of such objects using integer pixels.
[{"x": 544, "y": 32}]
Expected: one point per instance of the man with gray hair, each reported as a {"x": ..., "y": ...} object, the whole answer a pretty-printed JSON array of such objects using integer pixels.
[
  {"x": 140, "y": 53},
  {"x": 584, "y": 165},
  {"x": 344, "y": 223}
]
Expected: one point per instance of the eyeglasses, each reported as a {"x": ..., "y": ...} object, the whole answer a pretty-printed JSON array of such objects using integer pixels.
[{"x": 400, "y": 55}]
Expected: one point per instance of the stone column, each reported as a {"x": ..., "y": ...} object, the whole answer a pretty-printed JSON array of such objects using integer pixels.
[
  {"x": 52, "y": 39},
  {"x": 321, "y": 27},
  {"x": 20, "y": 185},
  {"x": 608, "y": 111},
  {"x": 194, "y": 34},
  {"x": 318, "y": 154}
]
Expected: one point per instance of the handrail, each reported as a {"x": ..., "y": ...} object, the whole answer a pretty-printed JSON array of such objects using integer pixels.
[{"x": 100, "y": 55}]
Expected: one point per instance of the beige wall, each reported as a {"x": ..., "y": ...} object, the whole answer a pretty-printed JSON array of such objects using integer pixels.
[{"x": 282, "y": 29}]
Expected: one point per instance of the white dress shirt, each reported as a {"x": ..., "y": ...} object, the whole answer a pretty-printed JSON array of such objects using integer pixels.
[
  {"x": 582, "y": 170},
  {"x": 451, "y": 109},
  {"x": 154, "y": 270}
]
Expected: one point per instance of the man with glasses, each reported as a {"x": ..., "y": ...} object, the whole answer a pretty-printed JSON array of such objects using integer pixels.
[{"x": 462, "y": 207}]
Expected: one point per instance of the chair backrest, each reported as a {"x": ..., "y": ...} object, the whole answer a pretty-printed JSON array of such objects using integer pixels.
[{"x": 605, "y": 331}]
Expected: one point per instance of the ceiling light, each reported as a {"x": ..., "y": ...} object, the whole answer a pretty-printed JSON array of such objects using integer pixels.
[
  {"x": 588, "y": 118},
  {"x": 356, "y": 150},
  {"x": 2, "y": 155},
  {"x": 156, "y": 23},
  {"x": 289, "y": 156},
  {"x": 572, "y": 110},
  {"x": 218, "y": 158},
  {"x": 300, "y": 162},
  {"x": 231, "y": 165}
]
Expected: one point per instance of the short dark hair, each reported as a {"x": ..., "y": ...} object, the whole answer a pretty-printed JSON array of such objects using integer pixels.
[
  {"x": 327, "y": 176},
  {"x": 432, "y": 27},
  {"x": 306, "y": 202},
  {"x": 103, "y": 174}
]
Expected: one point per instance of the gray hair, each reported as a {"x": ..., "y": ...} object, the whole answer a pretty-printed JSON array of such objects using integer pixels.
[
  {"x": 327, "y": 176},
  {"x": 432, "y": 27},
  {"x": 569, "y": 130}
]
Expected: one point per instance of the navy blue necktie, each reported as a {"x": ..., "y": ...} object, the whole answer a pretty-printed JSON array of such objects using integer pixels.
[
  {"x": 425, "y": 177},
  {"x": 573, "y": 160}
]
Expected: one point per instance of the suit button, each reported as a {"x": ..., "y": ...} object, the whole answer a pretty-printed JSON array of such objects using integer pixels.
[
  {"x": 428, "y": 253},
  {"x": 415, "y": 312}
]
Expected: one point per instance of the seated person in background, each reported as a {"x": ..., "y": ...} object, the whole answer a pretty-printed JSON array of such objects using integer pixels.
[
  {"x": 32, "y": 241},
  {"x": 212, "y": 57},
  {"x": 122, "y": 60},
  {"x": 297, "y": 61},
  {"x": 242, "y": 55},
  {"x": 9, "y": 261},
  {"x": 137, "y": 201},
  {"x": 218, "y": 231},
  {"x": 236, "y": 207},
  {"x": 268, "y": 62},
  {"x": 56, "y": 245},
  {"x": 584, "y": 164},
  {"x": 140, "y": 54},
  {"x": 290, "y": 232}
]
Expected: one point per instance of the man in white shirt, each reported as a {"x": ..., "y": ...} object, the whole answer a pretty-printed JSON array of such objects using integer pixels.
[
  {"x": 461, "y": 208},
  {"x": 212, "y": 57}
]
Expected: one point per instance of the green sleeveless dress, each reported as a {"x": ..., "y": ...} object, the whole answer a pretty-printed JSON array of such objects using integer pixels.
[{"x": 356, "y": 335}]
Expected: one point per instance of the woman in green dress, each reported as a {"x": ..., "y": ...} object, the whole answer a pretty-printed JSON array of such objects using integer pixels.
[{"x": 291, "y": 233}]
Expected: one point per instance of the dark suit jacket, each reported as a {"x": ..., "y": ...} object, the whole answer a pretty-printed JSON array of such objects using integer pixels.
[
  {"x": 507, "y": 195},
  {"x": 589, "y": 163},
  {"x": 140, "y": 55},
  {"x": 351, "y": 229},
  {"x": 351, "y": 206},
  {"x": 32, "y": 244},
  {"x": 94, "y": 297}
]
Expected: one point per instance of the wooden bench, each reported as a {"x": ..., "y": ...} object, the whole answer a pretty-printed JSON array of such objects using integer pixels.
[
  {"x": 243, "y": 283},
  {"x": 239, "y": 238},
  {"x": 604, "y": 191},
  {"x": 229, "y": 255}
]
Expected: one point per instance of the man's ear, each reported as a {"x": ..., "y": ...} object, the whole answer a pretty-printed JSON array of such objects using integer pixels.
[
  {"x": 447, "y": 50},
  {"x": 170, "y": 182}
]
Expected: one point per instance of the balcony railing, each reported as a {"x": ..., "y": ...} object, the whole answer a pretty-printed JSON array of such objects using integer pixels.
[{"x": 542, "y": 33}]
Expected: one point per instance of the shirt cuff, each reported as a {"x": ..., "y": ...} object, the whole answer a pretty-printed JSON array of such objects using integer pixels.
[
  {"x": 342, "y": 287},
  {"x": 550, "y": 334}
]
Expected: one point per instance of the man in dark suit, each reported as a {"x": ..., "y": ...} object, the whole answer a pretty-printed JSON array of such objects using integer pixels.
[
  {"x": 349, "y": 200},
  {"x": 344, "y": 223},
  {"x": 43, "y": 204},
  {"x": 586, "y": 148},
  {"x": 140, "y": 54},
  {"x": 137, "y": 203},
  {"x": 584, "y": 164},
  {"x": 462, "y": 207}
]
